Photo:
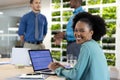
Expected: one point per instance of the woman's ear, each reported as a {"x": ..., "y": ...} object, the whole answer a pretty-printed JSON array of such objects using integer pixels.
[{"x": 91, "y": 32}]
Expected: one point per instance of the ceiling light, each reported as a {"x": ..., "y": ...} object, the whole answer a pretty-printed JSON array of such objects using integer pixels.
[
  {"x": 1, "y": 12},
  {"x": 12, "y": 29},
  {"x": 1, "y": 31}
]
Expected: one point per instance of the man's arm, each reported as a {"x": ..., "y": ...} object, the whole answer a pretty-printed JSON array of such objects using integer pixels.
[
  {"x": 22, "y": 28},
  {"x": 45, "y": 26},
  {"x": 59, "y": 37}
]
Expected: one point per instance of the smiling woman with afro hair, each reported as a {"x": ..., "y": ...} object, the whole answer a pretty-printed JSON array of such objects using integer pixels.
[
  {"x": 91, "y": 64},
  {"x": 95, "y": 22}
]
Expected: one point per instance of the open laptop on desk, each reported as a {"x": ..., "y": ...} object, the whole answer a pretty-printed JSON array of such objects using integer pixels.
[{"x": 40, "y": 60}]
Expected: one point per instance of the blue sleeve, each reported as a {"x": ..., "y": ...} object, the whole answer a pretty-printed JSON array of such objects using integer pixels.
[
  {"x": 22, "y": 26},
  {"x": 79, "y": 70},
  {"x": 45, "y": 26}
]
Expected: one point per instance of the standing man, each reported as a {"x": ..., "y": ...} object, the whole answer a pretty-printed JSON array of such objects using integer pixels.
[
  {"x": 33, "y": 27},
  {"x": 72, "y": 47}
]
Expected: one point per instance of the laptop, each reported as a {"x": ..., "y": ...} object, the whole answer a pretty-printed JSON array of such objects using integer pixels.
[{"x": 40, "y": 60}]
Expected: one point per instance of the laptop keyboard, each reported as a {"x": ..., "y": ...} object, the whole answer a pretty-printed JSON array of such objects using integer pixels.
[
  {"x": 46, "y": 70},
  {"x": 47, "y": 73}
]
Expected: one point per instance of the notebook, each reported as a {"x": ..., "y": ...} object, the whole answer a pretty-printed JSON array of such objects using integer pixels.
[
  {"x": 32, "y": 76},
  {"x": 40, "y": 60}
]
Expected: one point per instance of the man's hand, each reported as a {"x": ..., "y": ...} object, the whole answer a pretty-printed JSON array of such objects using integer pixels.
[
  {"x": 59, "y": 37},
  {"x": 22, "y": 39}
]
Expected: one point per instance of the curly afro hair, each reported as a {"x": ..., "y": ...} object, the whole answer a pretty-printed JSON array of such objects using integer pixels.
[{"x": 95, "y": 22}]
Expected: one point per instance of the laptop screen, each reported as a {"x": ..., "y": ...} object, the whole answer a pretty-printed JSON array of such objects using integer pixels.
[{"x": 40, "y": 59}]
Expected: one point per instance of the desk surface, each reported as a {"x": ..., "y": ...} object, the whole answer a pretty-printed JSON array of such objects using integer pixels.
[{"x": 9, "y": 70}]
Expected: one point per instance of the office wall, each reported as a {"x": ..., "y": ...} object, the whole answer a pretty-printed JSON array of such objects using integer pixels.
[
  {"x": 46, "y": 11},
  {"x": 19, "y": 11},
  {"x": 7, "y": 38},
  {"x": 16, "y": 11},
  {"x": 118, "y": 36}
]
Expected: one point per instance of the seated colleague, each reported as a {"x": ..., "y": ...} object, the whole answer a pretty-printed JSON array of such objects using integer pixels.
[{"x": 92, "y": 64}]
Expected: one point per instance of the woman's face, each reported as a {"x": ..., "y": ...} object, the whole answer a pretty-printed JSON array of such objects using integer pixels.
[{"x": 82, "y": 32}]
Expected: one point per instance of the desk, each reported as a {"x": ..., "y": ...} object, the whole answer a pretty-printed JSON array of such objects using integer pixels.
[{"x": 9, "y": 70}]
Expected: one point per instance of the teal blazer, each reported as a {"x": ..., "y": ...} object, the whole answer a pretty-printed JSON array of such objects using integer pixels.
[{"x": 91, "y": 65}]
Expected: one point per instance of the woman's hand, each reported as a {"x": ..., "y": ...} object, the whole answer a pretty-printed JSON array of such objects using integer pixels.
[{"x": 54, "y": 65}]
